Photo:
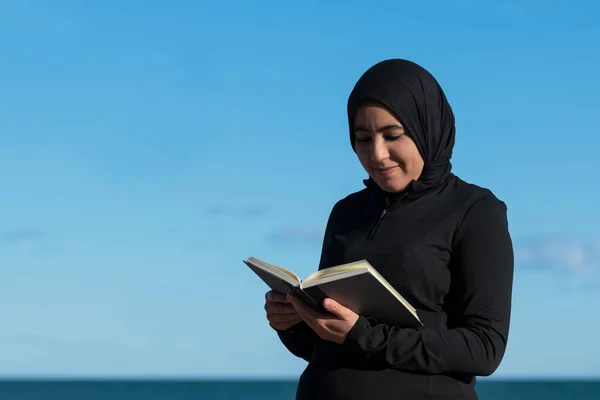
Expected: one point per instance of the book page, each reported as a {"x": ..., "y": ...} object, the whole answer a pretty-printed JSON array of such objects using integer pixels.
[
  {"x": 338, "y": 269},
  {"x": 273, "y": 269}
]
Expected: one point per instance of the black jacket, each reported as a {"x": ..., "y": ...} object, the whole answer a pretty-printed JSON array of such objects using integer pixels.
[{"x": 448, "y": 251}]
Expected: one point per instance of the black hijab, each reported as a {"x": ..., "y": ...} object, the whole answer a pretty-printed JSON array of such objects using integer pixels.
[{"x": 416, "y": 99}]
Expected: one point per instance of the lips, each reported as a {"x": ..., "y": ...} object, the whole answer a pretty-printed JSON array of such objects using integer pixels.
[{"x": 387, "y": 170}]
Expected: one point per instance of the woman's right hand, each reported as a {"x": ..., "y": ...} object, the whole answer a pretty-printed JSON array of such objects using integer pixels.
[{"x": 280, "y": 312}]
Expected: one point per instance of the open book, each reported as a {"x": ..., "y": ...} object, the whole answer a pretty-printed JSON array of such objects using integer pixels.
[{"x": 357, "y": 286}]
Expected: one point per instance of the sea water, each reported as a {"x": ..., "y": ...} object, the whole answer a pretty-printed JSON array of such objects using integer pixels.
[{"x": 260, "y": 390}]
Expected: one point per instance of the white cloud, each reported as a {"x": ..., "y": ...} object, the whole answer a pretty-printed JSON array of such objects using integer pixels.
[
  {"x": 299, "y": 234},
  {"x": 19, "y": 235},
  {"x": 559, "y": 253}
]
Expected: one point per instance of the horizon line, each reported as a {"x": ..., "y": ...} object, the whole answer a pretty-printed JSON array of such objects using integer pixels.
[{"x": 251, "y": 378}]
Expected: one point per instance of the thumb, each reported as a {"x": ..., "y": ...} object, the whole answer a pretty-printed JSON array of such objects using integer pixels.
[{"x": 336, "y": 308}]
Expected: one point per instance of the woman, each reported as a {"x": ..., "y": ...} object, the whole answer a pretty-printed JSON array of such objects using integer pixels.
[{"x": 444, "y": 244}]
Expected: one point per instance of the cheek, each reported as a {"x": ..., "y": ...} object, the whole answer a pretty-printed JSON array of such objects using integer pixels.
[
  {"x": 407, "y": 156},
  {"x": 363, "y": 155}
]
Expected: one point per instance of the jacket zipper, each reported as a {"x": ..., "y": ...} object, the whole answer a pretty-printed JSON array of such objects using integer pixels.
[
  {"x": 372, "y": 233},
  {"x": 382, "y": 215}
]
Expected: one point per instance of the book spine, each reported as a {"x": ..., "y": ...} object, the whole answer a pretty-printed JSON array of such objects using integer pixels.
[
  {"x": 317, "y": 295},
  {"x": 308, "y": 299}
]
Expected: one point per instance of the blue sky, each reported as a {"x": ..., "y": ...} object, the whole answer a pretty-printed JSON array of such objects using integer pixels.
[{"x": 147, "y": 148}]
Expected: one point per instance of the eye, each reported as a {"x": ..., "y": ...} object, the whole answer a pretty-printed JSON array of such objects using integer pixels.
[
  {"x": 363, "y": 140},
  {"x": 391, "y": 138}
]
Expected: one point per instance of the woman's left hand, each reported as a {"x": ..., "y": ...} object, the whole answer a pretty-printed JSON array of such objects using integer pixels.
[{"x": 334, "y": 326}]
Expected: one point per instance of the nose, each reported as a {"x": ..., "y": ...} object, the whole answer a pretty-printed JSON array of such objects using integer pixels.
[{"x": 379, "y": 151}]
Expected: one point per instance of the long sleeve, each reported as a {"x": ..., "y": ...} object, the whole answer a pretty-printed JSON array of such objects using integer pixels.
[
  {"x": 300, "y": 338},
  {"x": 482, "y": 277}
]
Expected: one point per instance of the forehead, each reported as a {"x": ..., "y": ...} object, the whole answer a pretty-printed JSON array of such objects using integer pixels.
[{"x": 372, "y": 115}]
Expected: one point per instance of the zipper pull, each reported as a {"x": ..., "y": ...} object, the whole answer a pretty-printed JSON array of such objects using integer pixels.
[{"x": 372, "y": 233}]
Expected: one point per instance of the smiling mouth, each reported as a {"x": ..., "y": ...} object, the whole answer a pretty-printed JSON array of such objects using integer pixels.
[{"x": 387, "y": 170}]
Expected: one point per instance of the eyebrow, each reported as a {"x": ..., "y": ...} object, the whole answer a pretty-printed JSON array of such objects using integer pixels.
[{"x": 381, "y": 129}]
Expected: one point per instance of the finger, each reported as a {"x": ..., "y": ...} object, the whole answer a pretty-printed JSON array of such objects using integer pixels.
[
  {"x": 309, "y": 321},
  {"x": 302, "y": 312},
  {"x": 305, "y": 309},
  {"x": 315, "y": 325},
  {"x": 297, "y": 304},
  {"x": 279, "y": 308},
  {"x": 293, "y": 321},
  {"x": 319, "y": 322},
  {"x": 337, "y": 309},
  {"x": 284, "y": 318},
  {"x": 311, "y": 317},
  {"x": 276, "y": 297},
  {"x": 285, "y": 325}
]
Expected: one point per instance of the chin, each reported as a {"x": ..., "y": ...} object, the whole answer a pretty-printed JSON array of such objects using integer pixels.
[{"x": 392, "y": 186}]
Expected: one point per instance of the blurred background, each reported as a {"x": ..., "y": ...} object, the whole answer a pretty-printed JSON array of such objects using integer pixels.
[{"x": 148, "y": 147}]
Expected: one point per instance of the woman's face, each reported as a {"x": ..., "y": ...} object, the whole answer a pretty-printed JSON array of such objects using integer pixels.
[{"x": 385, "y": 151}]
